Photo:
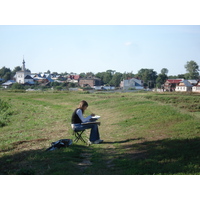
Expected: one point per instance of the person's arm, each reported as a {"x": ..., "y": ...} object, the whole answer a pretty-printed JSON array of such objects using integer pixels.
[{"x": 80, "y": 114}]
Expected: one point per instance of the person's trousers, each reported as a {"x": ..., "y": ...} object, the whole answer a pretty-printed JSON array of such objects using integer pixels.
[{"x": 94, "y": 132}]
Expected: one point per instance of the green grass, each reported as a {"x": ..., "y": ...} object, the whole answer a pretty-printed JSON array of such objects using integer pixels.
[
  {"x": 143, "y": 133},
  {"x": 5, "y": 112}
]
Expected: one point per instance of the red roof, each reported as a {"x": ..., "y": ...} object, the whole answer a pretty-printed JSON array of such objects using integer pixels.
[
  {"x": 75, "y": 77},
  {"x": 174, "y": 80}
]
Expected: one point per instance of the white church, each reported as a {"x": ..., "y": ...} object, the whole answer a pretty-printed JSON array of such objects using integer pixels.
[{"x": 24, "y": 76}]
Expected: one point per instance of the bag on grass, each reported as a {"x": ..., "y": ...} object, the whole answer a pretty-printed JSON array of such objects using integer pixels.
[{"x": 59, "y": 144}]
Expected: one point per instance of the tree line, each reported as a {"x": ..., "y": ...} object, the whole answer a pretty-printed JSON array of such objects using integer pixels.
[{"x": 150, "y": 78}]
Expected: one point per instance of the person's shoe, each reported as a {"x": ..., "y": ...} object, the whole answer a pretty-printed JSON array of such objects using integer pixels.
[
  {"x": 89, "y": 142},
  {"x": 97, "y": 142}
]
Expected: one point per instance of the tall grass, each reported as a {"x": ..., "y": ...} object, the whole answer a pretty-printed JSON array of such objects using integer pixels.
[{"x": 5, "y": 112}]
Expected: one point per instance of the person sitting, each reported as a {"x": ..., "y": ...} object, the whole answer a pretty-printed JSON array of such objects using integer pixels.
[{"x": 78, "y": 118}]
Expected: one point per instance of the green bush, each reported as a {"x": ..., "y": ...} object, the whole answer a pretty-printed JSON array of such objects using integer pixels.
[
  {"x": 17, "y": 86},
  {"x": 5, "y": 112}
]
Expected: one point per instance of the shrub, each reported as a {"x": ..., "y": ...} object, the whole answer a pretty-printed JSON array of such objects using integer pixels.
[{"x": 5, "y": 112}]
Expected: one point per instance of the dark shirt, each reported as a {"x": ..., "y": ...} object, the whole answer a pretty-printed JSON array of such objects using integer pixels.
[{"x": 75, "y": 118}]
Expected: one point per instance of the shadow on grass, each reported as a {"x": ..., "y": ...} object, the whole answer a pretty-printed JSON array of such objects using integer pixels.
[
  {"x": 62, "y": 161},
  {"x": 122, "y": 141},
  {"x": 165, "y": 157}
]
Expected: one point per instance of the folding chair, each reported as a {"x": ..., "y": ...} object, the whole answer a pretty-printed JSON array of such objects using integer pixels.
[{"x": 78, "y": 136}]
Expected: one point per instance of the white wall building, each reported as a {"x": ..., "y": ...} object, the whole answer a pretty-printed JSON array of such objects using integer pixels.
[
  {"x": 132, "y": 83},
  {"x": 184, "y": 86},
  {"x": 196, "y": 88},
  {"x": 21, "y": 75}
]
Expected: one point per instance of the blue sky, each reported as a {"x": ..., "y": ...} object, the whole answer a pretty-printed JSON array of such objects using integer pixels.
[{"x": 97, "y": 48}]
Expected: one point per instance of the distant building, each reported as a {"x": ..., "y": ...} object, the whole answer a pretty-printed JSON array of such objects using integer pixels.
[
  {"x": 24, "y": 75},
  {"x": 90, "y": 82},
  {"x": 193, "y": 82},
  {"x": 170, "y": 84},
  {"x": 8, "y": 83},
  {"x": 132, "y": 83},
  {"x": 196, "y": 88},
  {"x": 184, "y": 86},
  {"x": 73, "y": 78}
]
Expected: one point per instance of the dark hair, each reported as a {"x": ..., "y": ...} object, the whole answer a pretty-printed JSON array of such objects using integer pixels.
[{"x": 82, "y": 104}]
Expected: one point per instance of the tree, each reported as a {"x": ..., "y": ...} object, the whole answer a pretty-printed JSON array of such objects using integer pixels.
[
  {"x": 107, "y": 77},
  {"x": 160, "y": 80},
  {"x": 16, "y": 69},
  {"x": 82, "y": 75},
  {"x": 162, "y": 77},
  {"x": 7, "y": 76},
  {"x": 148, "y": 76},
  {"x": 5, "y": 73},
  {"x": 127, "y": 75},
  {"x": 164, "y": 71},
  {"x": 17, "y": 86},
  {"x": 89, "y": 74},
  {"x": 116, "y": 79},
  {"x": 100, "y": 75},
  {"x": 192, "y": 68}
]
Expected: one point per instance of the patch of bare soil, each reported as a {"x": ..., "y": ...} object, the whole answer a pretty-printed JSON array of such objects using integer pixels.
[
  {"x": 25, "y": 144},
  {"x": 86, "y": 157}
]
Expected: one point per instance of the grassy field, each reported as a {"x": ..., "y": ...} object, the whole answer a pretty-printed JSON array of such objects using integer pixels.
[{"x": 143, "y": 133}]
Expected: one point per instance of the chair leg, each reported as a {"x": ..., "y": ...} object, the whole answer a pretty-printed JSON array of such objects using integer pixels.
[{"x": 78, "y": 136}]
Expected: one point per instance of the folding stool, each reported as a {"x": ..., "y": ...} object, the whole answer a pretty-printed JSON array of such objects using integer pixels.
[{"x": 78, "y": 136}]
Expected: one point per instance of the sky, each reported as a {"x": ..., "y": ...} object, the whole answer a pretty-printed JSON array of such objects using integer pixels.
[
  {"x": 97, "y": 48},
  {"x": 87, "y": 37}
]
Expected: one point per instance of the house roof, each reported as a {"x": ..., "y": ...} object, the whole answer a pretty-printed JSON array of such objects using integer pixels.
[
  {"x": 193, "y": 81},
  {"x": 174, "y": 80},
  {"x": 92, "y": 78},
  {"x": 28, "y": 77},
  {"x": 49, "y": 79},
  {"x": 9, "y": 82},
  {"x": 186, "y": 83},
  {"x": 76, "y": 77},
  {"x": 198, "y": 84}
]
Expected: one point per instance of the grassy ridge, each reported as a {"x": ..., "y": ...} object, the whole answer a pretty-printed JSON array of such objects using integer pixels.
[
  {"x": 5, "y": 112},
  {"x": 144, "y": 133}
]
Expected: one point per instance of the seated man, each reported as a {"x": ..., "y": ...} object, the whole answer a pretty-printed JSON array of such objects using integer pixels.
[{"x": 78, "y": 119}]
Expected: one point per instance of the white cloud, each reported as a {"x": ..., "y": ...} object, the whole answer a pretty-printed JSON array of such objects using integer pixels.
[{"x": 127, "y": 43}]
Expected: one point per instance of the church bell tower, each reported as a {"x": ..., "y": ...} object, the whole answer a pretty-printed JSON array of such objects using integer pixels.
[{"x": 23, "y": 66}]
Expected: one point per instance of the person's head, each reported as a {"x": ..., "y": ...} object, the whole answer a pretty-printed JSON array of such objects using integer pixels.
[{"x": 83, "y": 105}]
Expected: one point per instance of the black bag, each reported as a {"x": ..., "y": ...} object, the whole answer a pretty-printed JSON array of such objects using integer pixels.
[{"x": 59, "y": 144}]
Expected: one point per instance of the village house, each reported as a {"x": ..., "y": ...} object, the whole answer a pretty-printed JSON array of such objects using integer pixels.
[
  {"x": 196, "y": 88},
  {"x": 28, "y": 80},
  {"x": 132, "y": 83},
  {"x": 58, "y": 77},
  {"x": 184, "y": 86},
  {"x": 23, "y": 75},
  {"x": 193, "y": 82},
  {"x": 73, "y": 78},
  {"x": 8, "y": 83},
  {"x": 42, "y": 78},
  {"x": 89, "y": 82},
  {"x": 170, "y": 84}
]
